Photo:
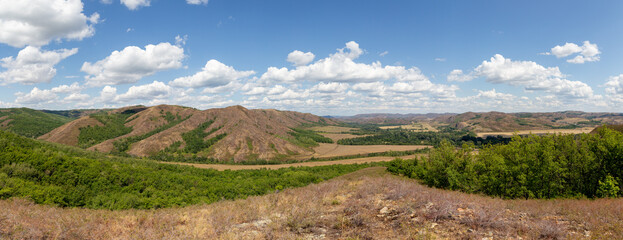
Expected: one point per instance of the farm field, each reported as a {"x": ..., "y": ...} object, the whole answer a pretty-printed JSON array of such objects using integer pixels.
[
  {"x": 332, "y": 129},
  {"x": 325, "y": 150},
  {"x": 417, "y": 127},
  {"x": 222, "y": 167},
  {"x": 545, "y": 131}
]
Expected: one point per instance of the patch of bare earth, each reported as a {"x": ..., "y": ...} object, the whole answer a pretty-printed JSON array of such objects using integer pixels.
[
  {"x": 368, "y": 204},
  {"x": 68, "y": 133}
]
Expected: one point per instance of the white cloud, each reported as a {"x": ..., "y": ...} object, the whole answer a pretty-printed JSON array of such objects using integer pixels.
[
  {"x": 32, "y": 65},
  {"x": 299, "y": 58},
  {"x": 77, "y": 97},
  {"x": 332, "y": 87},
  {"x": 340, "y": 67},
  {"x": 108, "y": 94},
  {"x": 181, "y": 41},
  {"x": 383, "y": 54},
  {"x": 197, "y": 2},
  {"x": 35, "y": 97},
  {"x": 213, "y": 74},
  {"x": 37, "y": 22},
  {"x": 145, "y": 92},
  {"x": 135, "y": 4},
  {"x": 440, "y": 59},
  {"x": 614, "y": 85},
  {"x": 588, "y": 52},
  {"x": 73, "y": 88},
  {"x": 457, "y": 75},
  {"x": 133, "y": 63},
  {"x": 492, "y": 94},
  {"x": 531, "y": 76}
]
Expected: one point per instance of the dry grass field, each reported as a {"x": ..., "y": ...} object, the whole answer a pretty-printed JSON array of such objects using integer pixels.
[
  {"x": 368, "y": 204},
  {"x": 222, "y": 167},
  {"x": 332, "y": 129},
  {"x": 416, "y": 127},
  {"x": 547, "y": 131},
  {"x": 326, "y": 150},
  {"x": 337, "y": 136}
]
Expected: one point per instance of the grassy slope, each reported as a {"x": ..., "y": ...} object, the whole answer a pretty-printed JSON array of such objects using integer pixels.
[
  {"x": 67, "y": 176},
  {"x": 367, "y": 204},
  {"x": 32, "y": 123}
]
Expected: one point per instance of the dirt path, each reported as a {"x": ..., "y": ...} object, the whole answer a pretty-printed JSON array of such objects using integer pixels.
[{"x": 222, "y": 167}]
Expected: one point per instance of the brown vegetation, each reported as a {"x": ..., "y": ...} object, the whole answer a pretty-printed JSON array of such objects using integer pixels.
[
  {"x": 68, "y": 133},
  {"x": 368, "y": 204}
]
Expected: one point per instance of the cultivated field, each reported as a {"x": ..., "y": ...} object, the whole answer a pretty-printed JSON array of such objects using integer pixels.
[
  {"x": 326, "y": 150},
  {"x": 547, "y": 131},
  {"x": 222, "y": 167},
  {"x": 332, "y": 129},
  {"x": 416, "y": 127},
  {"x": 367, "y": 204}
]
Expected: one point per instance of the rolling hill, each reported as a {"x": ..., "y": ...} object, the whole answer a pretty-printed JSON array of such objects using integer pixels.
[
  {"x": 29, "y": 122},
  {"x": 225, "y": 134}
]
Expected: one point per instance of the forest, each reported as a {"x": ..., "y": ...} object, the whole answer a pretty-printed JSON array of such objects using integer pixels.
[
  {"x": 30, "y": 123},
  {"x": 549, "y": 166},
  {"x": 66, "y": 176}
]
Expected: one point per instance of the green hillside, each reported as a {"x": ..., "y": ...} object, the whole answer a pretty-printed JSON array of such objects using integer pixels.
[
  {"x": 71, "y": 177},
  {"x": 29, "y": 122}
]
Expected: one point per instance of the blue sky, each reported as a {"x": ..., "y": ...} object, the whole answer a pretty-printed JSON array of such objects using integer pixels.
[{"x": 323, "y": 57}]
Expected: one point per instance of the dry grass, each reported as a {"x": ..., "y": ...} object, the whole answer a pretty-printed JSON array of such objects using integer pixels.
[
  {"x": 325, "y": 150},
  {"x": 546, "y": 131},
  {"x": 368, "y": 204},
  {"x": 416, "y": 127},
  {"x": 222, "y": 167},
  {"x": 332, "y": 129}
]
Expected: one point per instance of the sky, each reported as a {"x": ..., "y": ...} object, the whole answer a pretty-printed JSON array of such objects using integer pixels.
[{"x": 323, "y": 57}]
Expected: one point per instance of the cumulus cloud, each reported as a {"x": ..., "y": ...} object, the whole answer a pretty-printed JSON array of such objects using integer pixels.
[
  {"x": 614, "y": 85},
  {"x": 73, "y": 88},
  {"x": 213, "y": 74},
  {"x": 492, "y": 94},
  {"x": 299, "y": 58},
  {"x": 588, "y": 52},
  {"x": 150, "y": 91},
  {"x": 77, "y": 97},
  {"x": 32, "y": 65},
  {"x": 108, "y": 94},
  {"x": 135, "y": 4},
  {"x": 37, "y": 22},
  {"x": 457, "y": 75},
  {"x": 340, "y": 67},
  {"x": 35, "y": 97},
  {"x": 531, "y": 76},
  {"x": 332, "y": 87},
  {"x": 133, "y": 63}
]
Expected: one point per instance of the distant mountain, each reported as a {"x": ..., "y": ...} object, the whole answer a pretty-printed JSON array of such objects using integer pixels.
[
  {"x": 232, "y": 133},
  {"x": 391, "y": 118},
  {"x": 29, "y": 122},
  {"x": 502, "y": 122}
]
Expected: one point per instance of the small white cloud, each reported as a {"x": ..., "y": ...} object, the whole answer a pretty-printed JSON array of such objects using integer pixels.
[
  {"x": 35, "y": 96},
  {"x": 32, "y": 65},
  {"x": 73, "y": 88},
  {"x": 181, "y": 41},
  {"x": 197, "y": 2},
  {"x": 332, "y": 87},
  {"x": 135, "y": 4},
  {"x": 383, "y": 54},
  {"x": 457, "y": 75},
  {"x": 129, "y": 30},
  {"x": 108, "y": 94},
  {"x": 148, "y": 92},
  {"x": 440, "y": 59},
  {"x": 492, "y": 94},
  {"x": 37, "y": 22},
  {"x": 213, "y": 74},
  {"x": 298, "y": 58},
  {"x": 588, "y": 52},
  {"x": 132, "y": 64},
  {"x": 614, "y": 85},
  {"x": 77, "y": 97}
]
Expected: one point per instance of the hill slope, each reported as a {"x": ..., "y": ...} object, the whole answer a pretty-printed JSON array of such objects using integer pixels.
[
  {"x": 29, "y": 122},
  {"x": 232, "y": 133},
  {"x": 501, "y": 122}
]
